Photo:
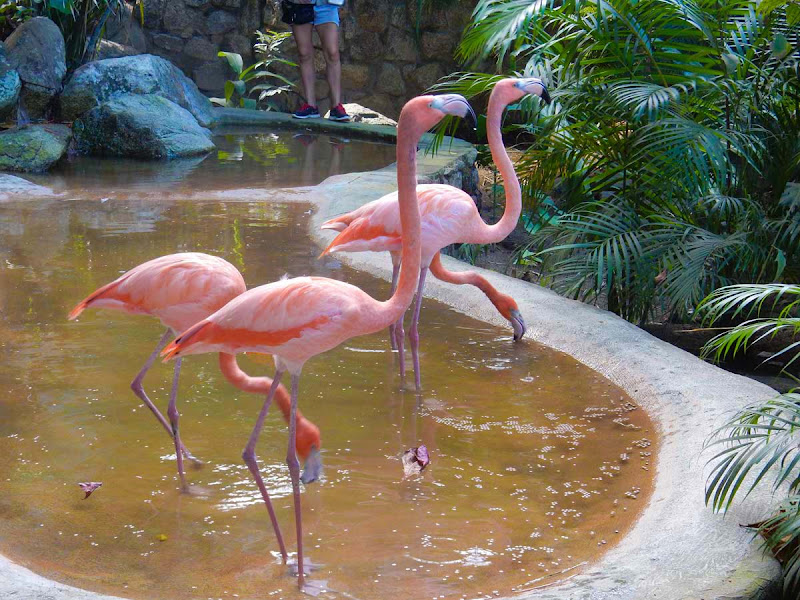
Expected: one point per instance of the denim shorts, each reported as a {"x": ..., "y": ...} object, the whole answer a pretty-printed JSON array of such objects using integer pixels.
[{"x": 326, "y": 13}]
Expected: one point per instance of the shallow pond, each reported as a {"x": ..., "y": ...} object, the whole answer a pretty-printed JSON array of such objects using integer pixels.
[{"x": 538, "y": 464}]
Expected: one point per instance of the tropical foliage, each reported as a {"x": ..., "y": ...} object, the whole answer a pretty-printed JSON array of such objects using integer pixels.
[
  {"x": 267, "y": 50},
  {"x": 670, "y": 145},
  {"x": 763, "y": 440},
  {"x": 80, "y": 21}
]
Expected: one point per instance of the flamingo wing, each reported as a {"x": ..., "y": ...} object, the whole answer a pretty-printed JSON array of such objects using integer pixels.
[
  {"x": 294, "y": 319},
  {"x": 446, "y": 215},
  {"x": 180, "y": 289}
]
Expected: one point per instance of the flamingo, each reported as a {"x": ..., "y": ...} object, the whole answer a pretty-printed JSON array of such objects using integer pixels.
[
  {"x": 296, "y": 319},
  {"x": 448, "y": 216},
  {"x": 180, "y": 289}
]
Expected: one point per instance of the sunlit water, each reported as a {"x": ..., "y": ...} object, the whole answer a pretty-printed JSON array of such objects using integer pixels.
[{"x": 538, "y": 464}]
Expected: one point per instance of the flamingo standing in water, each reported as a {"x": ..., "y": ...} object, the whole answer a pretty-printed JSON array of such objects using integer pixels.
[
  {"x": 180, "y": 289},
  {"x": 295, "y": 319},
  {"x": 449, "y": 216}
]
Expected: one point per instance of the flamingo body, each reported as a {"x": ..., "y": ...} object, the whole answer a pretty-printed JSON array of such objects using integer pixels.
[
  {"x": 294, "y": 319},
  {"x": 447, "y": 216},
  {"x": 178, "y": 289}
]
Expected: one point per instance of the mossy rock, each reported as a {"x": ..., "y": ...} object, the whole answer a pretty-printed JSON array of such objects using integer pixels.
[
  {"x": 147, "y": 127},
  {"x": 33, "y": 148}
]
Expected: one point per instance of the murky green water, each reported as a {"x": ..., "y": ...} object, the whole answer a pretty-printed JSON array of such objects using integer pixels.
[{"x": 538, "y": 464}]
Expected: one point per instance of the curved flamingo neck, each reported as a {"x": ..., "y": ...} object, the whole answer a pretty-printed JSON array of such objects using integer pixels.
[
  {"x": 439, "y": 271},
  {"x": 501, "y": 97},
  {"x": 409, "y": 131},
  {"x": 256, "y": 385}
]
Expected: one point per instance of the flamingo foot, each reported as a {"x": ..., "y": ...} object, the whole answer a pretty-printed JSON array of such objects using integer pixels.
[{"x": 196, "y": 462}]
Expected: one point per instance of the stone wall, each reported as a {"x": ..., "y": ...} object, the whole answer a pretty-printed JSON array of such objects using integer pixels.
[{"x": 383, "y": 64}]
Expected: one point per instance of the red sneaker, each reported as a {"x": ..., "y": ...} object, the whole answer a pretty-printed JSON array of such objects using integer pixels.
[{"x": 338, "y": 113}]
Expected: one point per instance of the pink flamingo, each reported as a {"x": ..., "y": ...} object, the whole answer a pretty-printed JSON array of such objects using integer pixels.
[
  {"x": 180, "y": 289},
  {"x": 295, "y": 319},
  {"x": 448, "y": 216}
]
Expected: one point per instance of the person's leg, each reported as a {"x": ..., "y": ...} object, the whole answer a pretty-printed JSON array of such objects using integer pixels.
[
  {"x": 329, "y": 36},
  {"x": 305, "y": 51}
]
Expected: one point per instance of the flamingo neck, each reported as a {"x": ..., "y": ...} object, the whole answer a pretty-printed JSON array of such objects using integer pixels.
[
  {"x": 409, "y": 132},
  {"x": 256, "y": 385},
  {"x": 439, "y": 271},
  {"x": 489, "y": 234}
]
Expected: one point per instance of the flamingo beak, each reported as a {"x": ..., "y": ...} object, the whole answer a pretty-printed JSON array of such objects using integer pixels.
[
  {"x": 518, "y": 324},
  {"x": 312, "y": 470},
  {"x": 535, "y": 87},
  {"x": 455, "y": 104}
]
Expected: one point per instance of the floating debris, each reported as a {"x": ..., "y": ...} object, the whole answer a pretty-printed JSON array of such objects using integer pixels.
[
  {"x": 89, "y": 487},
  {"x": 415, "y": 460}
]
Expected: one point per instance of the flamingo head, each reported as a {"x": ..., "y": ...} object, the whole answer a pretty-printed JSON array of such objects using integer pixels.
[
  {"x": 519, "y": 87},
  {"x": 507, "y": 307},
  {"x": 308, "y": 449},
  {"x": 427, "y": 111}
]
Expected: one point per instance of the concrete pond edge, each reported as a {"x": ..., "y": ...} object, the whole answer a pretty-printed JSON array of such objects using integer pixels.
[{"x": 678, "y": 549}]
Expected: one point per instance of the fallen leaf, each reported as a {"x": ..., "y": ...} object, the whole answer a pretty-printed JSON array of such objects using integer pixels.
[
  {"x": 89, "y": 487},
  {"x": 161, "y": 537},
  {"x": 415, "y": 460}
]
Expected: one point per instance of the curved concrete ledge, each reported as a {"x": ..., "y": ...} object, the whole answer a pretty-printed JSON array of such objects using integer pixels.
[{"x": 678, "y": 549}]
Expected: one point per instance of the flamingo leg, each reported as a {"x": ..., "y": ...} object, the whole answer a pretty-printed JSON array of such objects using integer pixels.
[
  {"x": 249, "y": 457},
  {"x": 392, "y": 336},
  {"x": 294, "y": 471},
  {"x": 174, "y": 415},
  {"x": 138, "y": 389},
  {"x": 413, "y": 333}
]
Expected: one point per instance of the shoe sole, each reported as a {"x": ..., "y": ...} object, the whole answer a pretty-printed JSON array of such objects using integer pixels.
[
  {"x": 306, "y": 116},
  {"x": 339, "y": 118}
]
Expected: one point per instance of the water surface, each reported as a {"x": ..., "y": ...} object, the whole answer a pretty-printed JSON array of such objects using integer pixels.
[{"x": 538, "y": 464}]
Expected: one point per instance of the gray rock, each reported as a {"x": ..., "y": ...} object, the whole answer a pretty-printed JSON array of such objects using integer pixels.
[
  {"x": 123, "y": 28},
  {"x": 212, "y": 75},
  {"x": 102, "y": 80},
  {"x": 36, "y": 50},
  {"x": 11, "y": 185},
  {"x": 10, "y": 85},
  {"x": 33, "y": 148},
  {"x": 182, "y": 20},
  {"x": 141, "y": 126},
  {"x": 201, "y": 49},
  {"x": 170, "y": 43},
  {"x": 220, "y": 21},
  {"x": 109, "y": 49}
]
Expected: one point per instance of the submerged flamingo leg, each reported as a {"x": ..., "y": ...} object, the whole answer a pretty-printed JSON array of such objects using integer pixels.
[
  {"x": 399, "y": 336},
  {"x": 413, "y": 333},
  {"x": 138, "y": 389},
  {"x": 174, "y": 415},
  {"x": 294, "y": 471},
  {"x": 395, "y": 273},
  {"x": 249, "y": 456}
]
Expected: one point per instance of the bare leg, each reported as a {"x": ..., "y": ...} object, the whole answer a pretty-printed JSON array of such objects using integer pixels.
[
  {"x": 174, "y": 415},
  {"x": 305, "y": 51},
  {"x": 413, "y": 333},
  {"x": 329, "y": 36},
  {"x": 399, "y": 335},
  {"x": 294, "y": 471},
  {"x": 395, "y": 273},
  {"x": 249, "y": 456},
  {"x": 138, "y": 389}
]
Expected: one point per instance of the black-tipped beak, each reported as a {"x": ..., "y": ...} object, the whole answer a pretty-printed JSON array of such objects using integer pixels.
[
  {"x": 518, "y": 324},
  {"x": 457, "y": 105},
  {"x": 546, "y": 96},
  {"x": 312, "y": 470}
]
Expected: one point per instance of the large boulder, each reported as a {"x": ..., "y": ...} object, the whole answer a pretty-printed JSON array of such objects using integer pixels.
[
  {"x": 97, "y": 82},
  {"x": 33, "y": 148},
  {"x": 10, "y": 85},
  {"x": 141, "y": 126},
  {"x": 36, "y": 50}
]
